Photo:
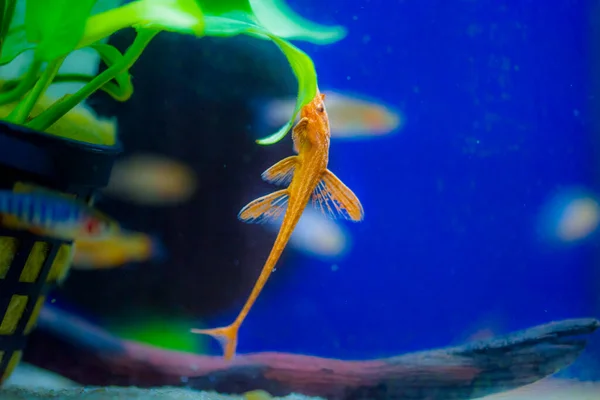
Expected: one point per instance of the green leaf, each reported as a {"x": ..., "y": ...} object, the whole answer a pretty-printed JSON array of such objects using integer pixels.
[
  {"x": 57, "y": 25},
  {"x": 301, "y": 64},
  {"x": 225, "y": 27},
  {"x": 197, "y": 17},
  {"x": 14, "y": 44},
  {"x": 304, "y": 69},
  {"x": 182, "y": 16},
  {"x": 232, "y": 22},
  {"x": 229, "y": 8},
  {"x": 7, "y": 11},
  {"x": 278, "y": 18},
  {"x": 60, "y": 108},
  {"x": 33, "y": 19}
]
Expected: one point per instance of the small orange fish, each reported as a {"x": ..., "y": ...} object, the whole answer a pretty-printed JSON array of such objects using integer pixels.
[
  {"x": 115, "y": 251},
  {"x": 317, "y": 236},
  {"x": 308, "y": 178}
]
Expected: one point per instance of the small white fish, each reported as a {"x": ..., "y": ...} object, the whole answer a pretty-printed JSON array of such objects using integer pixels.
[
  {"x": 350, "y": 116},
  {"x": 569, "y": 216},
  {"x": 317, "y": 236},
  {"x": 150, "y": 179}
]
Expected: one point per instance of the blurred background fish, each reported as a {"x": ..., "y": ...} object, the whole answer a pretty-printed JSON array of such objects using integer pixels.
[
  {"x": 350, "y": 116},
  {"x": 116, "y": 251},
  {"x": 150, "y": 179},
  {"x": 569, "y": 215},
  {"x": 317, "y": 236},
  {"x": 44, "y": 212}
]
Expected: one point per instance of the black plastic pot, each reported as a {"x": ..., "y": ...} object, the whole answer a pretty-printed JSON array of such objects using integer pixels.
[{"x": 30, "y": 265}]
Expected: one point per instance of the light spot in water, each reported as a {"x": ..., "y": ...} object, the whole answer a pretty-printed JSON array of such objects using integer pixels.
[{"x": 335, "y": 267}]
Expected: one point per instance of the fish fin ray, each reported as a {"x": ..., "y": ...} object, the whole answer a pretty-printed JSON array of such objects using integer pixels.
[
  {"x": 226, "y": 336},
  {"x": 298, "y": 133},
  {"x": 336, "y": 200},
  {"x": 265, "y": 209},
  {"x": 281, "y": 174}
]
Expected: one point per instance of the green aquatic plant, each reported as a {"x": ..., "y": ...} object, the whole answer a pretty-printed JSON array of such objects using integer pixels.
[
  {"x": 156, "y": 329},
  {"x": 52, "y": 30}
]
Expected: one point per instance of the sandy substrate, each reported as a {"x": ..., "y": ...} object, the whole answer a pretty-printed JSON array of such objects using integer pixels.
[
  {"x": 29, "y": 382},
  {"x": 114, "y": 393}
]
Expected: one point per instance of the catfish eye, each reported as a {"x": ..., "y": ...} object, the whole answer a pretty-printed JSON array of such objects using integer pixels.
[{"x": 320, "y": 108}]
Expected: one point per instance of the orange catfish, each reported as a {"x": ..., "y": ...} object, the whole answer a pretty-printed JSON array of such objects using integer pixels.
[{"x": 308, "y": 178}]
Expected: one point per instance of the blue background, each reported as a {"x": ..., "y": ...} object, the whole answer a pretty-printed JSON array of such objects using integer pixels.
[{"x": 495, "y": 99}]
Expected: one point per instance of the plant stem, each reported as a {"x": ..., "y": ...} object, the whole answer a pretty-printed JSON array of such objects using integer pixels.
[
  {"x": 23, "y": 85},
  {"x": 21, "y": 112},
  {"x": 61, "y": 107},
  {"x": 8, "y": 11},
  {"x": 59, "y": 78},
  {"x": 113, "y": 89},
  {"x": 3, "y": 24}
]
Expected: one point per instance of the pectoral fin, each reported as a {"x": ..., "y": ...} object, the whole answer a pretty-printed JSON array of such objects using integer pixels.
[
  {"x": 265, "y": 209},
  {"x": 336, "y": 200},
  {"x": 282, "y": 172}
]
